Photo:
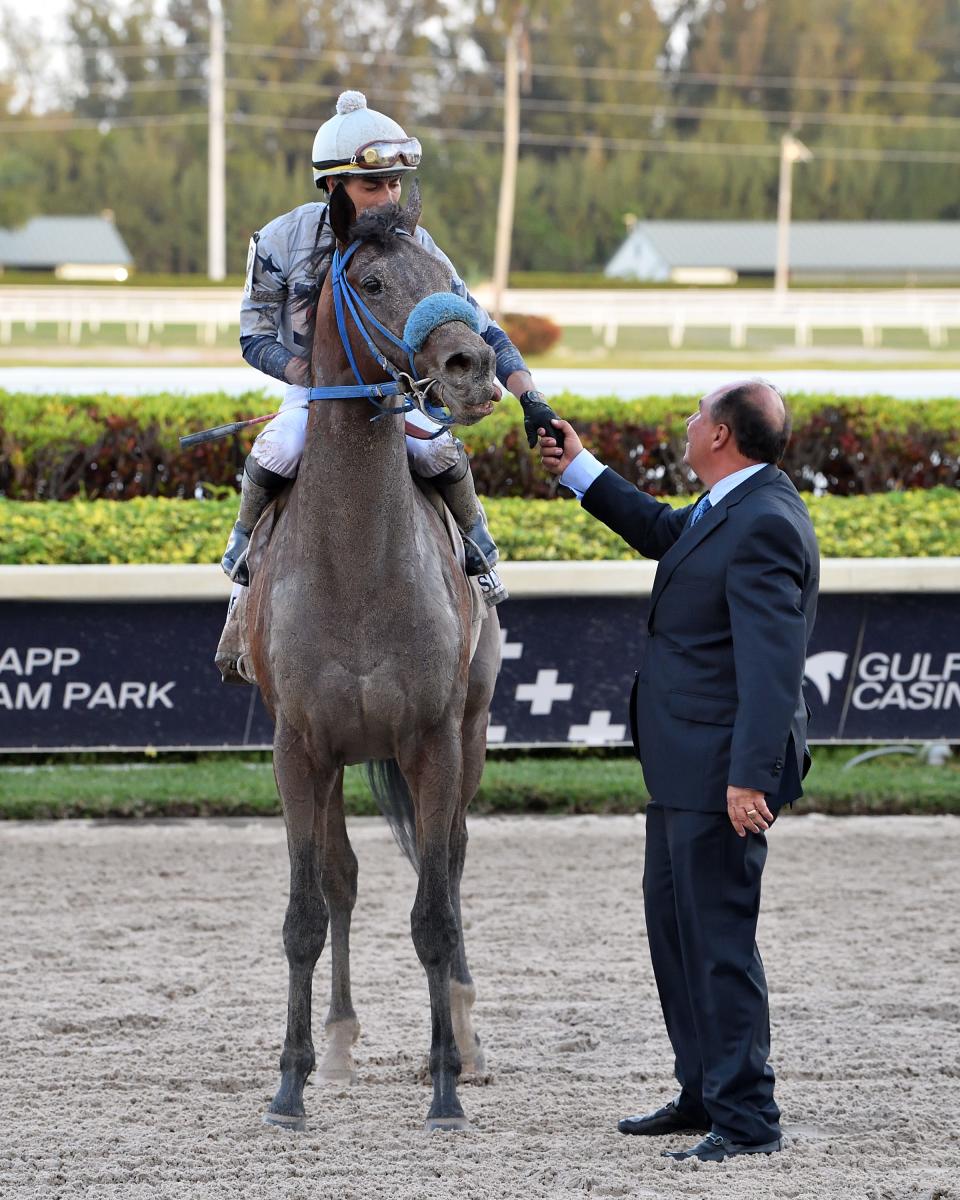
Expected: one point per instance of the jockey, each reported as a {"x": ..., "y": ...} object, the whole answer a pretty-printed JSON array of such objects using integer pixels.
[{"x": 274, "y": 336}]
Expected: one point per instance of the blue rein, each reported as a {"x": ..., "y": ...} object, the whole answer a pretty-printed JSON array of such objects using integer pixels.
[{"x": 426, "y": 316}]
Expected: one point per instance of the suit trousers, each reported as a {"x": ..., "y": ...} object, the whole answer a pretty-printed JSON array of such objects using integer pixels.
[{"x": 701, "y": 891}]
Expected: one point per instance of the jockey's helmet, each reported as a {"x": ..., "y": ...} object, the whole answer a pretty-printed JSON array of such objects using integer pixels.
[{"x": 360, "y": 141}]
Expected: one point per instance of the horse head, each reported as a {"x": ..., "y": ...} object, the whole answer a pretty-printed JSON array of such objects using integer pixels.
[{"x": 407, "y": 290}]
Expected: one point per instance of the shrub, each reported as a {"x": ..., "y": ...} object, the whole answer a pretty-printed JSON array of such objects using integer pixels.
[
  {"x": 531, "y": 335},
  {"x": 119, "y": 447},
  {"x": 152, "y": 529}
]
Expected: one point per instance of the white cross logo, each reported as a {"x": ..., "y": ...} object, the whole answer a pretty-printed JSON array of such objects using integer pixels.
[
  {"x": 598, "y": 731},
  {"x": 544, "y": 692},
  {"x": 495, "y": 733},
  {"x": 509, "y": 649}
]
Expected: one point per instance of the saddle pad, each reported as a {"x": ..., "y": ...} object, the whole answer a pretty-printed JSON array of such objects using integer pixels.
[{"x": 235, "y": 632}]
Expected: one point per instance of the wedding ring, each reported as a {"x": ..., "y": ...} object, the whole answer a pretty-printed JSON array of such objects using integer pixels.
[{"x": 751, "y": 812}]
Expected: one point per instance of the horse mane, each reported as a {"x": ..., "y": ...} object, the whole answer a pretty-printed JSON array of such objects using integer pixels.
[{"x": 378, "y": 225}]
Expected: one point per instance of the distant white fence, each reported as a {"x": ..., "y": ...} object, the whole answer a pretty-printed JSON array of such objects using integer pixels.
[
  {"x": 738, "y": 310},
  {"x": 143, "y": 311}
]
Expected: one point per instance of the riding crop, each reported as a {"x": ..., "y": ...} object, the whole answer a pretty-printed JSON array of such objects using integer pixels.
[{"x": 222, "y": 431}]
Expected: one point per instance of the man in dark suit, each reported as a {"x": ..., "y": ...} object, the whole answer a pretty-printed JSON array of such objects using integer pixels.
[{"x": 719, "y": 723}]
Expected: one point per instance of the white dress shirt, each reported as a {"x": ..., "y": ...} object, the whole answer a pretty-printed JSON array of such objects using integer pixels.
[{"x": 586, "y": 467}]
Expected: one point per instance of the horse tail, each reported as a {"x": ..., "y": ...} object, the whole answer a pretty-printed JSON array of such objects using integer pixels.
[{"x": 395, "y": 802}]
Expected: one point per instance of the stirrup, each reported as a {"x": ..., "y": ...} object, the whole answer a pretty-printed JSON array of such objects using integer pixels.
[{"x": 492, "y": 587}]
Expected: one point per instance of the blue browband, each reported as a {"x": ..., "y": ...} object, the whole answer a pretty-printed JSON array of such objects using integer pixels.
[{"x": 431, "y": 312}]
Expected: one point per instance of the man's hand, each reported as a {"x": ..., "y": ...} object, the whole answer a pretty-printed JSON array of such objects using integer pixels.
[
  {"x": 748, "y": 809},
  {"x": 297, "y": 371},
  {"x": 556, "y": 458}
]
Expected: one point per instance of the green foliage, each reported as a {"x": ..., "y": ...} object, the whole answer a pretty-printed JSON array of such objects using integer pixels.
[
  {"x": 116, "y": 447},
  {"x": 605, "y": 97},
  {"x": 159, "y": 530}
]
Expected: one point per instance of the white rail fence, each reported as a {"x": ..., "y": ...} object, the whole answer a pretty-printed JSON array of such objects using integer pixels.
[{"x": 146, "y": 311}]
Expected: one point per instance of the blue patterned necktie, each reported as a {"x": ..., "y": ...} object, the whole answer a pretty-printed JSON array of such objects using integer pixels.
[{"x": 703, "y": 506}]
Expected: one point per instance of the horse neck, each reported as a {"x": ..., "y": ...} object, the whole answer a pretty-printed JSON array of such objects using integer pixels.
[{"x": 354, "y": 471}]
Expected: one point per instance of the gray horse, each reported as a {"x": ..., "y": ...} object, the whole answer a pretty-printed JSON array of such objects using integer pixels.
[{"x": 360, "y": 629}]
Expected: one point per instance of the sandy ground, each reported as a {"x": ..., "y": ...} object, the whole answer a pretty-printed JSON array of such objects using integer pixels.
[{"x": 142, "y": 998}]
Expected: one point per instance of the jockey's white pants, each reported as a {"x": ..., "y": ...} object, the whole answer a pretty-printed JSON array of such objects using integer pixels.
[{"x": 279, "y": 447}]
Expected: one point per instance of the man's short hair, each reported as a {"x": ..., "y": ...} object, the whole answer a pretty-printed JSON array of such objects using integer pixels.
[{"x": 754, "y": 434}]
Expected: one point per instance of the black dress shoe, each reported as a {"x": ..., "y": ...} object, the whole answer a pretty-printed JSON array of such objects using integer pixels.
[
  {"x": 715, "y": 1148},
  {"x": 668, "y": 1119}
]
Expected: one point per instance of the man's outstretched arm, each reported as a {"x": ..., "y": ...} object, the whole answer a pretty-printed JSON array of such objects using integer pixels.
[{"x": 648, "y": 525}]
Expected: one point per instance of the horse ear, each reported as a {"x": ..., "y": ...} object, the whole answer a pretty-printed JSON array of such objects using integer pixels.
[
  {"x": 411, "y": 213},
  {"x": 342, "y": 214}
]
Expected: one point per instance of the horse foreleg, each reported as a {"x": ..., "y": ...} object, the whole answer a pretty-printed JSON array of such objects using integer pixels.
[
  {"x": 463, "y": 992},
  {"x": 434, "y": 778},
  {"x": 305, "y": 924},
  {"x": 339, "y": 880}
]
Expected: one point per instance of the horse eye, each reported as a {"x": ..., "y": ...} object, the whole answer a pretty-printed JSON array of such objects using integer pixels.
[{"x": 372, "y": 285}]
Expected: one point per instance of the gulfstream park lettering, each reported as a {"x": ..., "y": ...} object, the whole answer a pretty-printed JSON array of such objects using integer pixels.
[{"x": 70, "y": 694}]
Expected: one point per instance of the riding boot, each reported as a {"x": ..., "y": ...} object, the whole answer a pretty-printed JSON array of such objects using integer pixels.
[
  {"x": 457, "y": 488},
  {"x": 258, "y": 488}
]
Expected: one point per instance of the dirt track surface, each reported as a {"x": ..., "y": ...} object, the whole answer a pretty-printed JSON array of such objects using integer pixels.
[{"x": 142, "y": 1002}]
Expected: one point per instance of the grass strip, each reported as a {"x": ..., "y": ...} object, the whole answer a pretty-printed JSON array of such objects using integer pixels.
[{"x": 560, "y": 784}]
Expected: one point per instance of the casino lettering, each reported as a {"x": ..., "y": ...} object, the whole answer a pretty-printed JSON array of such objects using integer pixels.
[{"x": 913, "y": 682}]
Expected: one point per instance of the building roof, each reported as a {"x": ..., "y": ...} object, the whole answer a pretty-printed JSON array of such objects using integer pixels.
[
  {"x": 821, "y": 246},
  {"x": 47, "y": 242}
]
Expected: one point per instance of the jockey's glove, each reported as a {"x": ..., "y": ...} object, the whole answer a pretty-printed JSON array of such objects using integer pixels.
[{"x": 537, "y": 414}]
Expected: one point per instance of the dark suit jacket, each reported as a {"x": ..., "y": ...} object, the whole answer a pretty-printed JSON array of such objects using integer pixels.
[{"x": 717, "y": 699}]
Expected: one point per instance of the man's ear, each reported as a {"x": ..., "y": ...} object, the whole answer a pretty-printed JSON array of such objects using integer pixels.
[
  {"x": 721, "y": 435},
  {"x": 342, "y": 213},
  {"x": 411, "y": 213}
]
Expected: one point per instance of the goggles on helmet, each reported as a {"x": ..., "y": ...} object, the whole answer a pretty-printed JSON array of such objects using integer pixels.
[{"x": 379, "y": 155}]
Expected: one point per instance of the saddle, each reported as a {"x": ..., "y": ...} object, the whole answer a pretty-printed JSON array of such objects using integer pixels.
[{"x": 233, "y": 657}]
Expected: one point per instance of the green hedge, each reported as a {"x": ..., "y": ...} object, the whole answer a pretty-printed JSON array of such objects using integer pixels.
[
  {"x": 151, "y": 529},
  {"x": 116, "y": 447}
]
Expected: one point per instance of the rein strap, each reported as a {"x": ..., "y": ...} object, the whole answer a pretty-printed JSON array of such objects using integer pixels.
[{"x": 427, "y": 315}]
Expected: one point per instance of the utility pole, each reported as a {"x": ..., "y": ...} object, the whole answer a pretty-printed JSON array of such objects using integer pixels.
[
  {"x": 508, "y": 176},
  {"x": 216, "y": 159},
  {"x": 791, "y": 151}
]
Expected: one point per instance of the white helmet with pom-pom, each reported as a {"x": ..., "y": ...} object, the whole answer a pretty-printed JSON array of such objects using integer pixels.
[{"x": 362, "y": 141}]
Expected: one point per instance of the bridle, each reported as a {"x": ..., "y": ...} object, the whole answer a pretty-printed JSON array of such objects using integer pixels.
[{"x": 427, "y": 315}]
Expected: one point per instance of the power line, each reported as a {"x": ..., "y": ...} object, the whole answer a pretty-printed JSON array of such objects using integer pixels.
[
  {"x": 285, "y": 124},
  {"x": 373, "y": 58},
  {"x": 138, "y": 50},
  {"x": 609, "y": 108},
  {"x": 103, "y": 124},
  {"x": 600, "y": 108},
  {"x": 143, "y": 85},
  {"x": 753, "y": 82},
  {"x": 589, "y": 142}
]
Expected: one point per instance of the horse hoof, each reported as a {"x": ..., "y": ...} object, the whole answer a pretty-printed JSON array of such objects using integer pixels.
[
  {"x": 447, "y": 1125},
  {"x": 282, "y": 1121},
  {"x": 475, "y": 1066},
  {"x": 336, "y": 1077}
]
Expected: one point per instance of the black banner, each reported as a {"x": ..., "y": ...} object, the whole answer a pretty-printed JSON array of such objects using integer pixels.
[{"x": 130, "y": 675}]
